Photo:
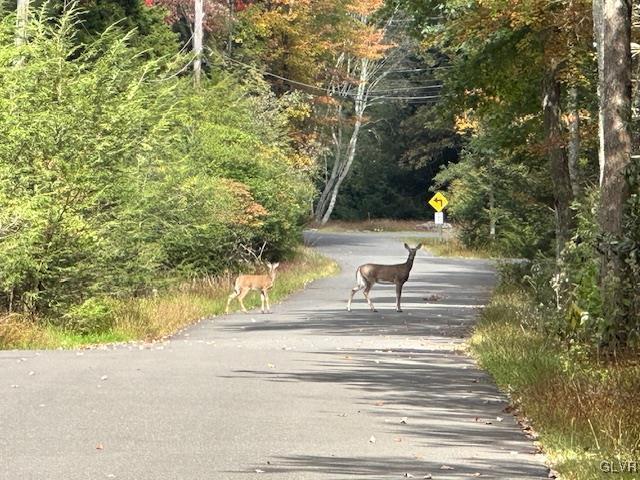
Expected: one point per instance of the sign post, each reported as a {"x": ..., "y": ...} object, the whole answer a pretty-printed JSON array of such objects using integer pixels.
[{"x": 438, "y": 202}]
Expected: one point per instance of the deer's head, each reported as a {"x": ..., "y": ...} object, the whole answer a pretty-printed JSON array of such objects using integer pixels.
[
  {"x": 272, "y": 268},
  {"x": 413, "y": 251}
]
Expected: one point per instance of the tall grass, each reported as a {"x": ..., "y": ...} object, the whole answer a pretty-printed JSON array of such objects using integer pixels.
[
  {"x": 372, "y": 225},
  {"x": 587, "y": 411},
  {"x": 450, "y": 246},
  {"x": 154, "y": 318}
]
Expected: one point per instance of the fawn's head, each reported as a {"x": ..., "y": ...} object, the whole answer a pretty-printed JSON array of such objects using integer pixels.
[{"x": 272, "y": 268}]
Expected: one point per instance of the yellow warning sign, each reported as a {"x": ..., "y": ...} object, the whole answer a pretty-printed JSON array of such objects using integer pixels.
[{"x": 438, "y": 202}]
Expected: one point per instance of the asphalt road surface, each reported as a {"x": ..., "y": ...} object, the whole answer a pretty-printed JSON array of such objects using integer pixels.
[{"x": 309, "y": 392}]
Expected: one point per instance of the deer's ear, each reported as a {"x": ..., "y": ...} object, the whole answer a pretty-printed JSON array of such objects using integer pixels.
[
  {"x": 275, "y": 265},
  {"x": 419, "y": 246},
  {"x": 407, "y": 247}
]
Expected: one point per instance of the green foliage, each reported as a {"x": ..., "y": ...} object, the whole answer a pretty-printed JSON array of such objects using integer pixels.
[
  {"x": 91, "y": 317},
  {"x": 116, "y": 176},
  {"x": 492, "y": 165},
  {"x": 150, "y": 32}
]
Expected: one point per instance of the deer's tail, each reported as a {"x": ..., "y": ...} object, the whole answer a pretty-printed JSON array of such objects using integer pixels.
[{"x": 360, "y": 279}]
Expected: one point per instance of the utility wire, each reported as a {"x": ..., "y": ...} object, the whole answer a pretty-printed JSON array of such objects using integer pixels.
[
  {"x": 400, "y": 89},
  {"x": 324, "y": 91}
]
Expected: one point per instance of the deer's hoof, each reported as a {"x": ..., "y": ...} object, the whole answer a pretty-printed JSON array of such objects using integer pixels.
[{"x": 398, "y": 310}]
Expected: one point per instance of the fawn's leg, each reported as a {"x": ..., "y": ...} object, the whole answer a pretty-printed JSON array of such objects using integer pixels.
[
  {"x": 231, "y": 297},
  {"x": 266, "y": 296},
  {"x": 243, "y": 294}
]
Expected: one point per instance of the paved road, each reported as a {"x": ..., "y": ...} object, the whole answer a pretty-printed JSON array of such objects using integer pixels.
[{"x": 310, "y": 392}]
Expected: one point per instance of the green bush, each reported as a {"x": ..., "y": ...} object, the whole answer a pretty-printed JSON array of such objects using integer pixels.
[
  {"x": 118, "y": 177},
  {"x": 92, "y": 316}
]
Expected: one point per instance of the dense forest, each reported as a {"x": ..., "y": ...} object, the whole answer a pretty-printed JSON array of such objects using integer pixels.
[{"x": 144, "y": 142}]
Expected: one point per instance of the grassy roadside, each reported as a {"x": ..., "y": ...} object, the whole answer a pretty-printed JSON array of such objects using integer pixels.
[
  {"x": 156, "y": 317},
  {"x": 450, "y": 246},
  {"x": 587, "y": 412},
  {"x": 373, "y": 225}
]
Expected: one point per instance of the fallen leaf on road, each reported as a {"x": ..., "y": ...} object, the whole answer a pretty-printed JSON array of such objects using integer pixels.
[
  {"x": 446, "y": 467},
  {"x": 488, "y": 422},
  {"x": 499, "y": 419},
  {"x": 347, "y": 357},
  {"x": 257, "y": 470},
  {"x": 372, "y": 439},
  {"x": 31, "y": 373},
  {"x": 104, "y": 377},
  {"x": 408, "y": 475},
  {"x": 271, "y": 365},
  {"x": 379, "y": 404},
  {"x": 397, "y": 439},
  {"x": 99, "y": 446},
  {"x": 404, "y": 420},
  {"x": 427, "y": 476}
]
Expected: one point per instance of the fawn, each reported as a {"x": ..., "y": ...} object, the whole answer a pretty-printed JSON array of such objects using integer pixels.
[{"x": 245, "y": 283}]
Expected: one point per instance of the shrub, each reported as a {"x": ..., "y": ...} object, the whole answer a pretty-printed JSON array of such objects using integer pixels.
[
  {"x": 117, "y": 177},
  {"x": 92, "y": 316}
]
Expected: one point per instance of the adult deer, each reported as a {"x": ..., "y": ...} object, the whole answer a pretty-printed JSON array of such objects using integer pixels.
[
  {"x": 369, "y": 274},
  {"x": 245, "y": 283}
]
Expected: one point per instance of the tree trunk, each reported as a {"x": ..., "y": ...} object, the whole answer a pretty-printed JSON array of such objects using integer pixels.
[
  {"x": 557, "y": 160},
  {"x": 615, "y": 109},
  {"x": 598, "y": 39},
  {"x": 361, "y": 104},
  {"x": 492, "y": 215},
  {"x": 321, "y": 207},
  {"x": 22, "y": 17},
  {"x": 351, "y": 153},
  {"x": 197, "y": 40},
  {"x": 574, "y": 143}
]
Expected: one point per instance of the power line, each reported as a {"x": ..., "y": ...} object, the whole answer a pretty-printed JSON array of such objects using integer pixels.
[
  {"x": 399, "y": 89},
  {"x": 428, "y": 69},
  {"x": 412, "y": 98},
  {"x": 324, "y": 91}
]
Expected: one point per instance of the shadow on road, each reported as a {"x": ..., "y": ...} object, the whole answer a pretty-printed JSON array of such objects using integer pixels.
[{"x": 445, "y": 400}]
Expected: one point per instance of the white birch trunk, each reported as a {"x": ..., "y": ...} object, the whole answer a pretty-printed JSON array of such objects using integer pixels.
[
  {"x": 22, "y": 17},
  {"x": 361, "y": 104},
  {"x": 198, "y": 34}
]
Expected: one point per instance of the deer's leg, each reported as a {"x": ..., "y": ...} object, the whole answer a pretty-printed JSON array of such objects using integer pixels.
[
  {"x": 367, "y": 289},
  {"x": 398, "y": 296},
  {"x": 354, "y": 290},
  {"x": 231, "y": 297},
  {"x": 262, "y": 301},
  {"x": 266, "y": 297},
  {"x": 243, "y": 293}
]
